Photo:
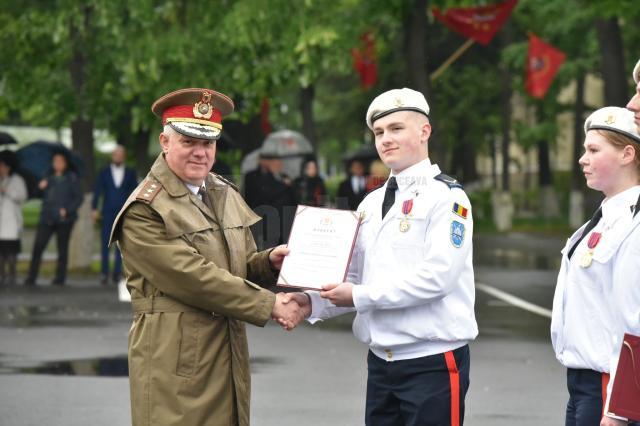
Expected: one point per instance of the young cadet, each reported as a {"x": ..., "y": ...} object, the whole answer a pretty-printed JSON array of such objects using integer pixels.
[
  {"x": 411, "y": 276},
  {"x": 634, "y": 102},
  {"x": 597, "y": 294}
]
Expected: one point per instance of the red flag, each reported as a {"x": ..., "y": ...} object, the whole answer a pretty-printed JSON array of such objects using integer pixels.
[
  {"x": 543, "y": 62},
  {"x": 265, "y": 124},
  {"x": 364, "y": 61},
  {"x": 479, "y": 23}
]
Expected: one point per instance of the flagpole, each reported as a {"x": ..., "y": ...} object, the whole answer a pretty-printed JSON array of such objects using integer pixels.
[{"x": 442, "y": 68}]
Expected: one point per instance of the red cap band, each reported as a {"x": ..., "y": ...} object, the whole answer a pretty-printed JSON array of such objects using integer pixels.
[{"x": 186, "y": 111}]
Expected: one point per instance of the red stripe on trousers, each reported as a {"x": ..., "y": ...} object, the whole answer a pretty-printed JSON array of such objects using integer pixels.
[
  {"x": 454, "y": 380},
  {"x": 605, "y": 383}
]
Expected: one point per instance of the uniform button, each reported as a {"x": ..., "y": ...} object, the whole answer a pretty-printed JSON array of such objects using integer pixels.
[{"x": 389, "y": 353}]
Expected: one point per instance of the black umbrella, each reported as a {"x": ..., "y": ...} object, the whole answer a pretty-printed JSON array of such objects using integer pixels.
[
  {"x": 364, "y": 153},
  {"x": 34, "y": 162},
  {"x": 7, "y": 139}
]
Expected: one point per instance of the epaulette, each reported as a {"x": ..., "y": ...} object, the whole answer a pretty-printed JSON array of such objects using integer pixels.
[
  {"x": 227, "y": 181},
  {"x": 148, "y": 191},
  {"x": 449, "y": 181}
]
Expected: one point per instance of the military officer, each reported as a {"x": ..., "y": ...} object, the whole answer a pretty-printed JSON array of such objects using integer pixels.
[
  {"x": 191, "y": 267},
  {"x": 411, "y": 276}
]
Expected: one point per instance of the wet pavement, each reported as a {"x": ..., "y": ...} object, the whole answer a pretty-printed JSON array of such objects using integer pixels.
[{"x": 62, "y": 356}]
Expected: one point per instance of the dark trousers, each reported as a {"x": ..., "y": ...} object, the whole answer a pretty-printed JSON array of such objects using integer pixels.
[
  {"x": 585, "y": 397},
  {"x": 117, "y": 263},
  {"x": 43, "y": 235},
  {"x": 418, "y": 391},
  {"x": 587, "y": 393}
]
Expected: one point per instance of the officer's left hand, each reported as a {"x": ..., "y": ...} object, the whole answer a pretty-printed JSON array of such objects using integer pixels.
[
  {"x": 276, "y": 257},
  {"x": 610, "y": 421},
  {"x": 338, "y": 294}
]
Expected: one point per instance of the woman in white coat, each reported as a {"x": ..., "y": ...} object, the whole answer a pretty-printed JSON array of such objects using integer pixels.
[
  {"x": 597, "y": 297},
  {"x": 13, "y": 192}
]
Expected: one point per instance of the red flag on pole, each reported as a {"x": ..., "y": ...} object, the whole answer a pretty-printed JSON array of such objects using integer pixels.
[
  {"x": 543, "y": 62},
  {"x": 478, "y": 23},
  {"x": 364, "y": 61},
  {"x": 265, "y": 124}
]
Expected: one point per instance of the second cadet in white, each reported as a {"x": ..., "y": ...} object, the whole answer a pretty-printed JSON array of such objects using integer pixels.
[
  {"x": 411, "y": 278},
  {"x": 597, "y": 294}
]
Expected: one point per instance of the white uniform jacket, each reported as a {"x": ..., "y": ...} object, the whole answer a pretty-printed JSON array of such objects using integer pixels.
[
  {"x": 416, "y": 288},
  {"x": 594, "y": 306}
]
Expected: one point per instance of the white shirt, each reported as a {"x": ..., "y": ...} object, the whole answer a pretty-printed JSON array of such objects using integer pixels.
[
  {"x": 117, "y": 172},
  {"x": 358, "y": 184},
  {"x": 414, "y": 291},
  {"x": 594, "y": 306},
  {"x": 195, "y": 189}
]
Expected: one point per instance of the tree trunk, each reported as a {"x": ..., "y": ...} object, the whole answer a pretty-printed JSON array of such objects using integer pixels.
[
  {"x": 307, "y": 95},
  {"x": 416, "y": 25},
  {"x": 81, "y": 126},
  {"x": 549, "y": 205},
  {"x": 612, "y": 62},
  {"x": 141, "y": 140},
  {"x": 576, "y": 197},
  {"x": 81, "y": 249}
]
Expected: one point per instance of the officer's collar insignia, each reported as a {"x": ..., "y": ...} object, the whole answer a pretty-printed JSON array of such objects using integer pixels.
[
  {"x": 398, "y": 102},
  {"x": 610, "y": 119},
  {"x": 203, "y": 109},
  {"x": 457, "y": 233}
]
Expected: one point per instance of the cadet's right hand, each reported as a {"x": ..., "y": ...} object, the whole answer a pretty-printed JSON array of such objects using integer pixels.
[
  {"x": 42, "y": 184},
  {"x": 288, "y": 312}
]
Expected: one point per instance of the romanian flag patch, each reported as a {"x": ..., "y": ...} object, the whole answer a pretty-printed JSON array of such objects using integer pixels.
[{"x": 460, "y": 210}]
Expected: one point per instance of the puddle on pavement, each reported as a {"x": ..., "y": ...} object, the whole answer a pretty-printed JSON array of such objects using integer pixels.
[
  {"x": 47, "y": 316},
  {"x": 103, "y": 367},
  {"x": 516, "y": 259}
]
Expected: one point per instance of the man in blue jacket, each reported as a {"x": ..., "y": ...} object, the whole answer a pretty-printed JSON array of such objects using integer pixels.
[{"x": 114, "y": 183}]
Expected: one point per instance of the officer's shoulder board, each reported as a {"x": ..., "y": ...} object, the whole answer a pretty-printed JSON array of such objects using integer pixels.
[
  {"x": 150, "y": 188},
  {"x": 448, "y": 180},
  {"x": 227, "y": 181}
]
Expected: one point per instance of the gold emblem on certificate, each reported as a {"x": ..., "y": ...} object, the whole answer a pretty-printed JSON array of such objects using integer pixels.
[
  {"x": 407, "y": 205},
  {"x": 587, "y": 258}
]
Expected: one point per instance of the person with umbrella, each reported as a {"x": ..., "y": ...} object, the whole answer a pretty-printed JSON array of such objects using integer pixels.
[
  {"x": 62, "y": 196},
  {"x": 13, "y": 192}
]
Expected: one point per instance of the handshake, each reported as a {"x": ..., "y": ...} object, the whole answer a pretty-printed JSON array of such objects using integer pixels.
[{"x": 291, "y": 309}]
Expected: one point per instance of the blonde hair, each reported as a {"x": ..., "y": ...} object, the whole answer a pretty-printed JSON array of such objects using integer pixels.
[{"x": 619, "y": 141}]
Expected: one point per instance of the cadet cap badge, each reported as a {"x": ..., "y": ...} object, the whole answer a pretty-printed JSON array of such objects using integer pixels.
[{"x": 396, "y": 100}]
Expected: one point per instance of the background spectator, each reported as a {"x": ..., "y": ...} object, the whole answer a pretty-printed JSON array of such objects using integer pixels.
[
  {"x": 62, "y": 196},
  {"x": 13, "y": 192},
  {"x": 309, "y": 187},
  {"x": 114, "y": 184}
]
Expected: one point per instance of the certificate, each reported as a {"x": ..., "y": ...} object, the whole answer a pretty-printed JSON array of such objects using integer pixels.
[{"x": 321, "y": 243}]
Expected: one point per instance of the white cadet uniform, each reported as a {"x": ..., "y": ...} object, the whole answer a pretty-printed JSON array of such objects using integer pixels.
[
  {"x": 416, "y": 288},
  {"x": 595, "y": 305}
]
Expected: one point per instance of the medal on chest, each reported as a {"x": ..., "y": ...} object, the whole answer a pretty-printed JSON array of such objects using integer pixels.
[
  {"x": 407, "y": 205},
  {"x": 594, "y": 239}
]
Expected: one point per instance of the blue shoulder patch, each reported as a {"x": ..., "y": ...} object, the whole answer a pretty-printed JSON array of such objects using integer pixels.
[{"x": 448, "y": 180}]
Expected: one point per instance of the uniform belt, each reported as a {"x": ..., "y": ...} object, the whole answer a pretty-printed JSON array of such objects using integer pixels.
[{"x": 151, "y": 305}]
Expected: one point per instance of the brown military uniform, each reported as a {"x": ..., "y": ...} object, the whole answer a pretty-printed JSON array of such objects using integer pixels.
[{"x": 184, "y": 260}]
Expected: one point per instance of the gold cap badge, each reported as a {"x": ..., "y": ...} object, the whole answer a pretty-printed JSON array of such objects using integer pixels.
[{"x": 203, "y": 109}]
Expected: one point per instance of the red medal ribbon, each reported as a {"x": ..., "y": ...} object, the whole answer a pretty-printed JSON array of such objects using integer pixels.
[
  {"x": 594, "y": 239},
  {"x": 407, "y": 205}
]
